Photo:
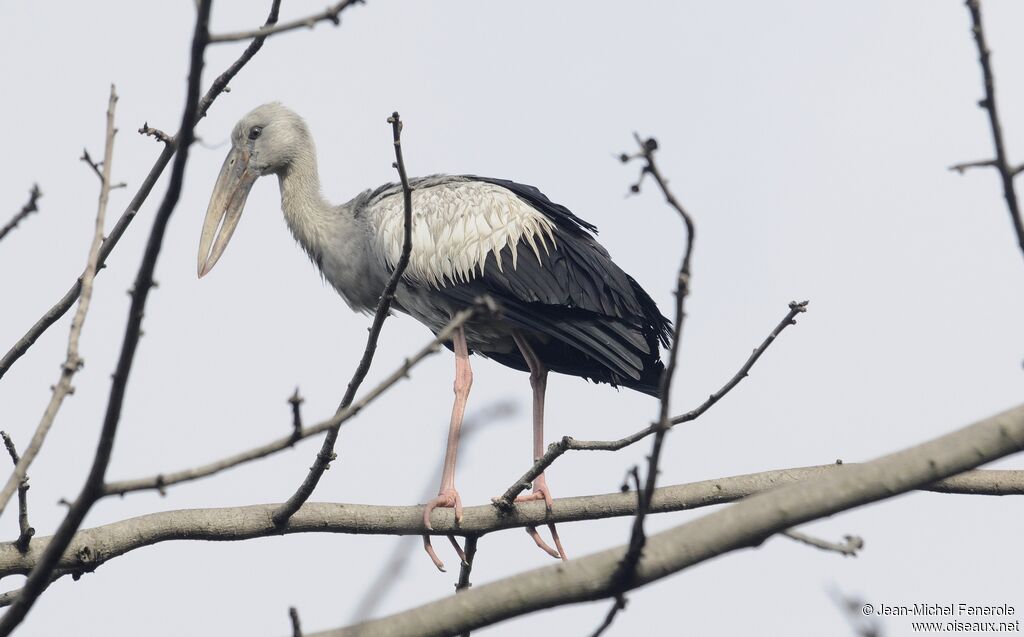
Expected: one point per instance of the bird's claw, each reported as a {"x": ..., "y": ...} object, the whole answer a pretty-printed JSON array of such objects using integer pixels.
[
  {"x": 539, "y": 541},
  {"x": 539, "y": 493},
  {"x": 542, "y": 492},
  {"x": 429, "y": 548},
  {"x": 446, "y": 498}
]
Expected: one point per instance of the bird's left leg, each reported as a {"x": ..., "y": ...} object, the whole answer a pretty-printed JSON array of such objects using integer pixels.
[
  {"x": 447, "y": 496},
  {"x": 538, "y": 382}
]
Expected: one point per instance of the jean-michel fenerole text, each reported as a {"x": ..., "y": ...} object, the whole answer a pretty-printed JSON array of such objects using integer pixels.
[{"x": 952, "y": 609}]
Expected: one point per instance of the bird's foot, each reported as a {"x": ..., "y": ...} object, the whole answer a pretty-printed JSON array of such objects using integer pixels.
[
  {"x": 542, "y": 492},
  {"x": 446, "y": 498},
  {"x": 429, "y": 548}
]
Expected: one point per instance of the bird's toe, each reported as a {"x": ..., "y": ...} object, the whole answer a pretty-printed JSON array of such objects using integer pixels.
[{"x": 532, "y": 531}]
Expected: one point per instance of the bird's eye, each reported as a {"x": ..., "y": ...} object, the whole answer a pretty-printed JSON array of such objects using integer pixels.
[{"x": 255, "y": 131}]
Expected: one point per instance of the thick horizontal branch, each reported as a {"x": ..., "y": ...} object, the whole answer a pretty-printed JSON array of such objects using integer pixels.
[
  {"x": 744, "y": 524},
  {"x": 331, "y": 14},
  {"x": 92, "y": 547}
]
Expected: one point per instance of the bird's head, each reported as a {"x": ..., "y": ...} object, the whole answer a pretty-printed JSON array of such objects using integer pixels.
[{"x": 264, "y": 142}]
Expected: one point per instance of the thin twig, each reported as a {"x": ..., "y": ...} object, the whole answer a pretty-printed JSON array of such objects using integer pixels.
[
  {"x": 97, "y": 167},
  {"x": 963, "y": 167},
  {"x": 155, "y": 133},
  {"x": 26, "y": 530},
  {"x": 220, "y": 84},
  {"x": 466, "y": 569},
  {"x": 567, "y": 443},
  {"x": 795, "y": 308},
  {"x": 293, "y": 614},
  {"x": 618, "y": 604},
  {"x": 624, "y": 574},
  {"x": 170, "y": 147},
  {"x": 326, "y": 454},
  {"x": 166, "y": 479},
  {"x": 29, "y": 207},
  {"x": 1001, "y": 161},
  {"x": 296, "y": 402},
  {"x": 73, "y": 360},
  {"x": 847, "y": 548},
  {"x": 331, "y": 14},
  {"x": 8, "y": 598},
  {"x": 620, "y": 601},
  {"x": 40, "y": 577},
  {"x": 467, "y": 566}
]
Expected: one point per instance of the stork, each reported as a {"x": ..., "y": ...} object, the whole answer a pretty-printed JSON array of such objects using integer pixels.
[{"x": 566, "y": 306}]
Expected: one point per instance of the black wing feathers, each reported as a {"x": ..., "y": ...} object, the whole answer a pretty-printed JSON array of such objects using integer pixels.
[{"x": 599, "y": 323}]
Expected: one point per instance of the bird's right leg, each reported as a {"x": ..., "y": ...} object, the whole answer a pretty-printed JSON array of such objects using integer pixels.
[
  {"x": 539, "y": 383},
  {"x": 447, "y": 496}
]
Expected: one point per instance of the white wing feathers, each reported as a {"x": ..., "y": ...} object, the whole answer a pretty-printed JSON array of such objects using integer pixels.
[{"x": 456, "y": 224}]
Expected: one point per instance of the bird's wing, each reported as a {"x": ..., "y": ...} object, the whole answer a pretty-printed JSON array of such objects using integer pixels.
[
  {"x": 474, "y": 235},
  {"x": 457, "y": 224}
]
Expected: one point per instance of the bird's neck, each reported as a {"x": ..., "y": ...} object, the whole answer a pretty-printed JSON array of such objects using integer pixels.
[{"x": 307, "y": 213}]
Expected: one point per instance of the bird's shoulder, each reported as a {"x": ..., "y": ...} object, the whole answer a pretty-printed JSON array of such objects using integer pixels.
[
  {"x": 444, "y": 192},
  {"x": 461, "y": 219}
]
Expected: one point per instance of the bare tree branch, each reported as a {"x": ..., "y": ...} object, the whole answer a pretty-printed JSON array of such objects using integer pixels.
[
  {"x": 93, "y": 547},
  {"x": 383, "y": 310},
  {"x": 618, "y": 604},
  {"x": 466, "y": 568},
  {"x": 331, "y": 14},
  {"x": 97, "y": 167},
  {"x": 568, "y": 443},
  {"x": 29, "y": 207},
  {"x": 296, "y": 403},
  {"x": 73, "y": 361},
  {"x": 637, "y": 539},
  {"x": 848, "y": 547},
  {"x": 795, "y": 309},
  {"x": 8, "y": 598},
  {"x": 1002, "y": 161},
  {"x": 467, "y": 565},
  {"x": 163, "y": 480},
  {"x": 41, "y": 576},
  {"x": 170, "y": 147},
  {"x": 26, "y": 530},
  {"x": 965, "y": 166},
  {"x": 293, "y": 614},
  {"x": 744, "y": 524}
]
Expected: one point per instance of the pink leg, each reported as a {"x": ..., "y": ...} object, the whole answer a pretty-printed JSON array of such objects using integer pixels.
[
  {"x": 447, "y": 496},
  {"x": 539, "y": 382}
]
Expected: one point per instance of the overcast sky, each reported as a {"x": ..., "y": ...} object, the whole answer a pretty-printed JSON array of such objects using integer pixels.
[{"x": 810, "y": 142}]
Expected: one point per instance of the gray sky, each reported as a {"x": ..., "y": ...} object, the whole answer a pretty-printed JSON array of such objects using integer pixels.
[{"x": 810, "y": 142}]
